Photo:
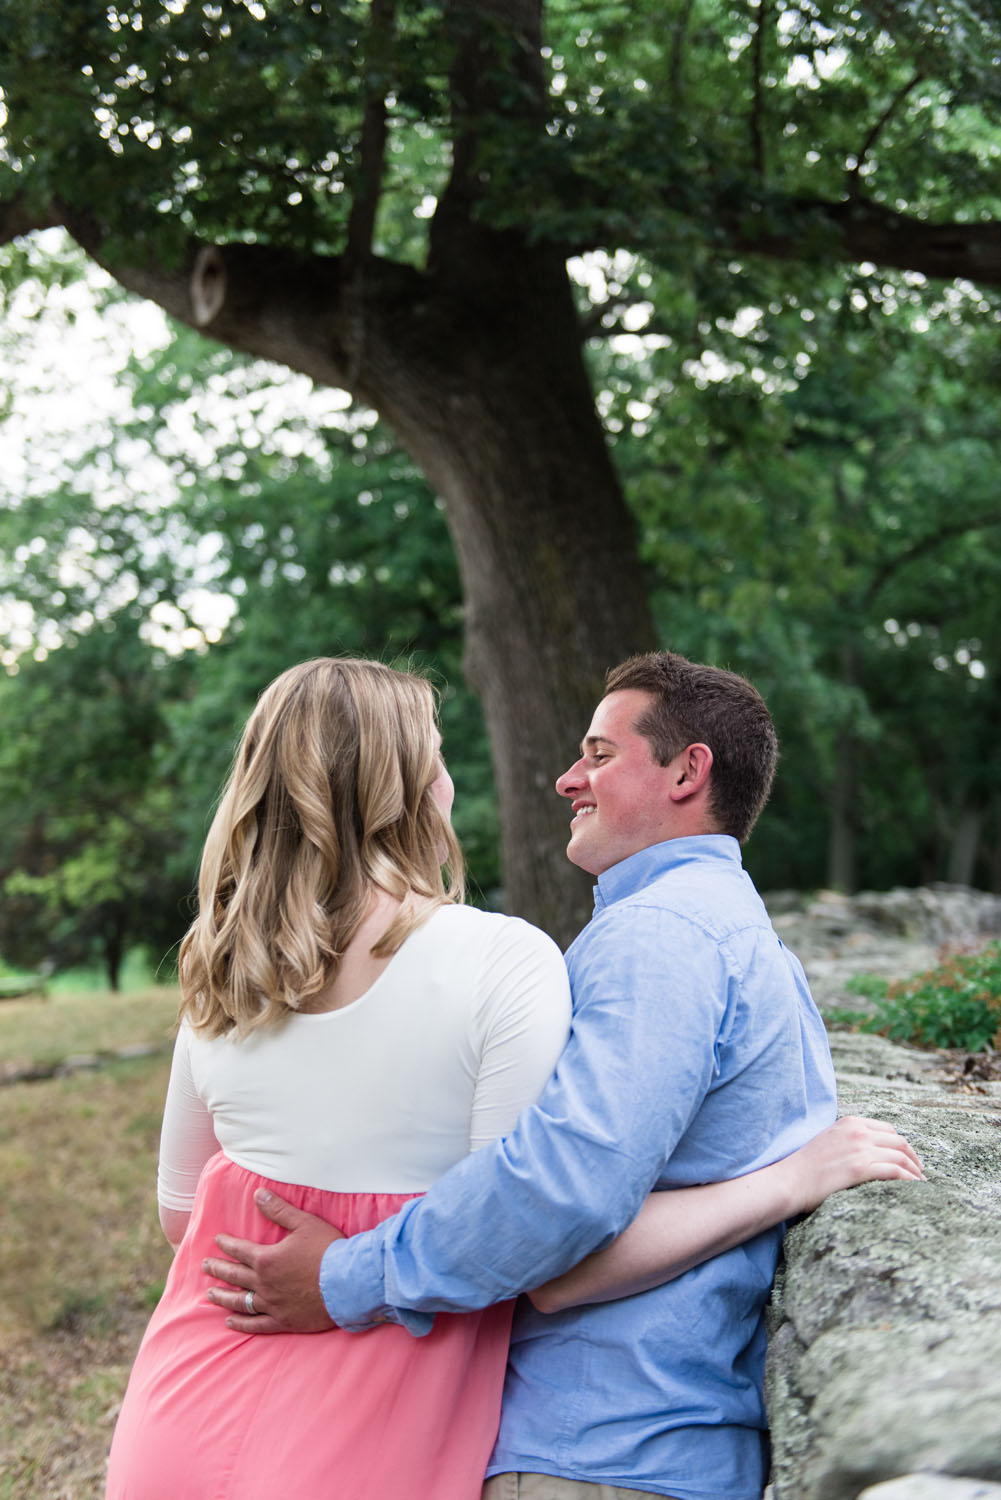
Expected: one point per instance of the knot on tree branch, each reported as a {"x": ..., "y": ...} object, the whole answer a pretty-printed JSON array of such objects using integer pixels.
[{"x": 208, "y": 285}]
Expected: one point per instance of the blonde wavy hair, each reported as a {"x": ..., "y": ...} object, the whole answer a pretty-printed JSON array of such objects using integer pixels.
[{"x": 329, "y": 796}]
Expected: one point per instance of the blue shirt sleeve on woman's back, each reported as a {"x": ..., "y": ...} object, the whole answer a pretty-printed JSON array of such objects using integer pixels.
[{"x": 650, "y": 997}]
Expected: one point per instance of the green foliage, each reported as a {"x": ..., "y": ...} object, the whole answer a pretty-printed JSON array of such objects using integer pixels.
[
  {"x": 89, "y": 851},
  {"x": 192, "y": 118},
  {"x": 810, "y": 453},
  {"x": 843, "y": 1018},
  {"x": 314, "y": 533},
  {"x": 815, "y": 489},
  {"x": 956, "y": 1004},
  {"x": 871, "y": 987},
  {"x": 657, "y": 122}
]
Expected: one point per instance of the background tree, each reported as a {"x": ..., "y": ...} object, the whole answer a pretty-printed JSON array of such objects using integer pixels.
[
  {"x": 90, "y": 849},
  {"x": 837, "y": 534},
  {"x": 876, "y": 466},
  {"x": 385, "y": 198},
  {"x": 186, "y": 504}
]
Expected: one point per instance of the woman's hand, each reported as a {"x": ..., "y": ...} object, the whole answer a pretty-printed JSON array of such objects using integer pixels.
[
  {"x": 677, "y": 1230},
  {"x": 849, "y": 1152}
]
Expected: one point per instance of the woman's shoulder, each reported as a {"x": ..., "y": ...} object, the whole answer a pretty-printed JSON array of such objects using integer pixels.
[{"x": 492, "y": 928}]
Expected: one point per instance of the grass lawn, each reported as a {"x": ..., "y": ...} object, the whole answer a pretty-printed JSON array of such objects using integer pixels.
[
  {"x": 82, "y": 1259},
  {"x": 36, "y": 1031}
]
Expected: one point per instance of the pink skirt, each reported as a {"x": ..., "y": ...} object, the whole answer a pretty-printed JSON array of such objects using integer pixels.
[{"x": 210, "y": 1414}]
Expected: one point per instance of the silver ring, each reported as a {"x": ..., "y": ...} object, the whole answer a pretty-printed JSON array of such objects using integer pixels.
[{"x": 248, "y": 1302}]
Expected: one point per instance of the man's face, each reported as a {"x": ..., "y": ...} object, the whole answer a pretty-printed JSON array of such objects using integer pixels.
[{"x": 618, "y": 792}]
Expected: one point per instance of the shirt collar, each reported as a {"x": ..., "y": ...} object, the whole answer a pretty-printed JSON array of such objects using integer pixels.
[{"x": 641, "y": 869}]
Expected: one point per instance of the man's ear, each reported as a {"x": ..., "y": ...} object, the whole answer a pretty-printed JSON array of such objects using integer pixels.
[{"x": 693, "y": 766}]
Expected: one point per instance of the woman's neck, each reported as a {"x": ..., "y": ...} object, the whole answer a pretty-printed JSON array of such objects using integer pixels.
[{"x": 359, "y": 967}]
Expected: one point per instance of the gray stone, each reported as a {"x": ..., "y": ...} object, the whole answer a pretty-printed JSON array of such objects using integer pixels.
[
  {"x": 932, "y": 1487},
  {"x": 885, "y": 1323},
  {"x": 891, "y": 934}
]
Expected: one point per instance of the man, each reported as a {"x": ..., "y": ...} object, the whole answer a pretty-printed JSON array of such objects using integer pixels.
[{"x": 696, "y": 1054}]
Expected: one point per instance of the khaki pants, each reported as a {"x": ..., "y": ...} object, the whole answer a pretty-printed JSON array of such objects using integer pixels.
[{"x": 548, "y": 1487}]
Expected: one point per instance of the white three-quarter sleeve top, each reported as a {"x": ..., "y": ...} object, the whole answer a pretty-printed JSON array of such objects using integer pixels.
[{"x": 456, "y": 1035}]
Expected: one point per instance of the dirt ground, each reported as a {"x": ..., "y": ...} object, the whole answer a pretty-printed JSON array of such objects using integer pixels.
[
  {"x": 59, "y": 1397},
  {"x": 82, "y": 1263}
]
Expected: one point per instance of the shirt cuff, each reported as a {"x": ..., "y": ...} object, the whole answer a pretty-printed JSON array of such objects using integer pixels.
[{"x": 352, "y": 1287}]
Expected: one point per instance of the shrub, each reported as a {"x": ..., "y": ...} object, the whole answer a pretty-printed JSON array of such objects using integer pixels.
[{"x": 956, "y": 1004}]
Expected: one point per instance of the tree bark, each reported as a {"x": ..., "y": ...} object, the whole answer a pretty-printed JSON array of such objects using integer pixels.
[
  {"x": 841, "y": 842},
  {"x": 507, "y": 433},
  {"x": 963, "y": 846},
  {"x": 853, "y": 230}
]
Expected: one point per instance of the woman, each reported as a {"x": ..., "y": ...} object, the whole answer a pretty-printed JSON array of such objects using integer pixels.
[
  {"x": 348, "y": 1031},
  {"x": 347, "y": 1027}
]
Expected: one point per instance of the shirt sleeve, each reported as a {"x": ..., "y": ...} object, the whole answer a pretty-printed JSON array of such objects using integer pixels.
[
  {"x": 523, "y": 1015},
  {"x": 187, "y": 1137},
  {"x": 648, "y": 1005}
]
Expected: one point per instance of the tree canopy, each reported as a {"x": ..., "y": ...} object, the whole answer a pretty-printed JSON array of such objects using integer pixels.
[{"x": 395, "y": 200}]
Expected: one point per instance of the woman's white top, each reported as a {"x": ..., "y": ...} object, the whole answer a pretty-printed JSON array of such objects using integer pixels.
[{"x": 457, "y": 1034}]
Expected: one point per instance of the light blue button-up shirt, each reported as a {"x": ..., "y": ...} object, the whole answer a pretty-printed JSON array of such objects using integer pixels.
[{"x": 696, "y": 1054}]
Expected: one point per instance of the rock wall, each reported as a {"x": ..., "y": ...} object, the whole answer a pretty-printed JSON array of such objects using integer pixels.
[{"x": 884, "y": 1368}]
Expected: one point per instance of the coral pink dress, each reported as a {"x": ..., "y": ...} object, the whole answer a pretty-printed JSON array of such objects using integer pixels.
[
  {"x": 460, "y": 1030},
  {"x": 216, "y": 1415}
]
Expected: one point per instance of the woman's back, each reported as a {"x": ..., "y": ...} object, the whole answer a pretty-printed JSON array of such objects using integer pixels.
[
  {"x": 349, "y": 1032},
  {"x": 437, "y": 1057},
  {"x": 347, "y": 1113}
]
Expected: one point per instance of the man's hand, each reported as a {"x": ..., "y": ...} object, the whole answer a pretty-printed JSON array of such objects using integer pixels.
[{"x": 284, "y": 1278}]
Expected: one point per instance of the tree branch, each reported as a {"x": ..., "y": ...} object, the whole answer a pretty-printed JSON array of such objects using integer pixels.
[
  {"x": 267, "y": 302},
  {"x": 757, "y": 118},
  {"x": 926, "y": 544},
  {"x": 361, "y": 223},
  {"x": 878, "y": 128},
  {"x": 867, "y": 231}
]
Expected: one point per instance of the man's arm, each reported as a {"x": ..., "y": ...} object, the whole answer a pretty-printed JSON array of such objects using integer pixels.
[
  {"x": 569, "y": 1177},
  {"x": 675, "y": 1231}
]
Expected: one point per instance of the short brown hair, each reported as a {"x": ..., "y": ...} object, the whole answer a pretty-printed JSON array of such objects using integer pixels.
[{"x": 696, "y": 704}]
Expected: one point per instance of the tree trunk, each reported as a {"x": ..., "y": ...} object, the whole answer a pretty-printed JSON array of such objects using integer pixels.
[
  {"x": 114, "y": 952},
  {"x": 963, "y": 845},
  {"x": 841, "y": 870},
  {"x": 476, "y": 363},
  {"x": 554, "y": 591}
]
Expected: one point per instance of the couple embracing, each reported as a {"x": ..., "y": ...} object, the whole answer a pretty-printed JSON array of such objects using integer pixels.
[{"x": 385, "y": 1114}]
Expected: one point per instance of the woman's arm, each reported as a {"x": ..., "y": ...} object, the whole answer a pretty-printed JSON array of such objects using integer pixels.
[
  {"x": 678, "y": 1229},
  {"x": 187, "y": 1141},
  {"x": 173, "y": 1222}
]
